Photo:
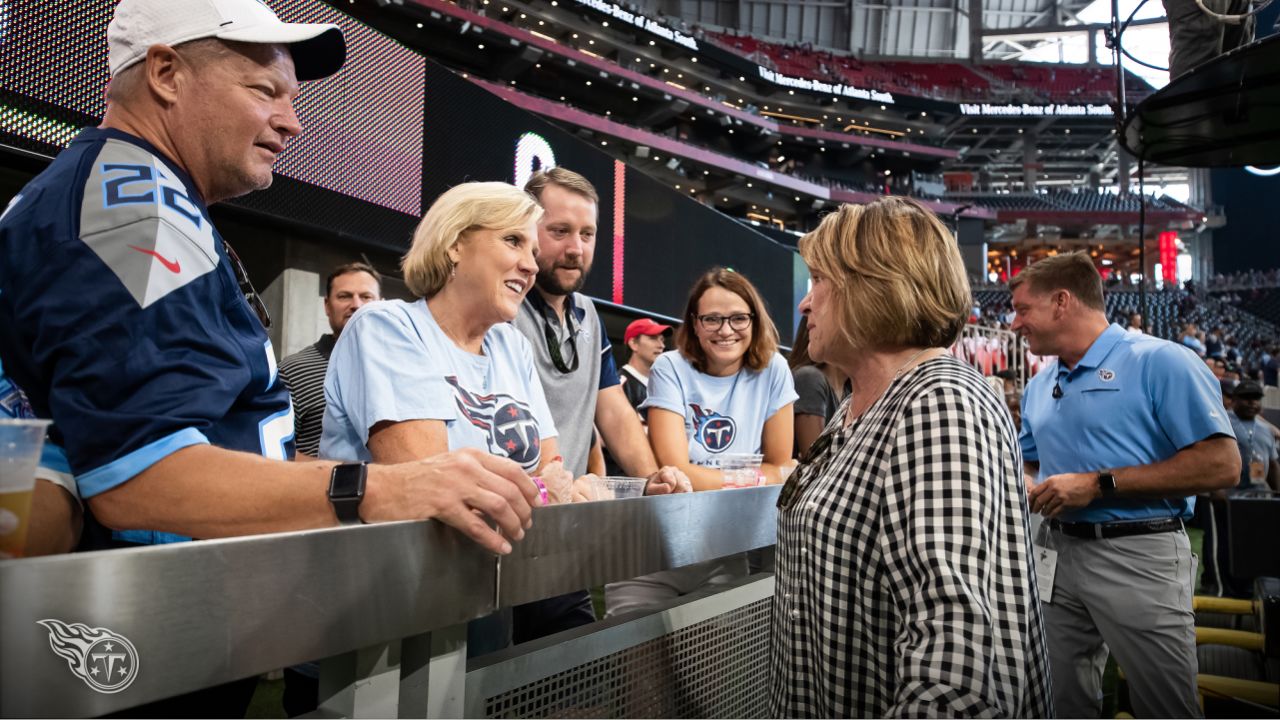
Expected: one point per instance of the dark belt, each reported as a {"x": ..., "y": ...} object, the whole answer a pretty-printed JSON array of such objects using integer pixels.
[{"x": 1099, "y": 531}]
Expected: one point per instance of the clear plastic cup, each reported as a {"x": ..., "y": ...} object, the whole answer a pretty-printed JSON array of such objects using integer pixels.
[
  {"x": 20, "y": 443},
  {"x": 614, "y": 487},
  {"x": 741, "y": 470}
]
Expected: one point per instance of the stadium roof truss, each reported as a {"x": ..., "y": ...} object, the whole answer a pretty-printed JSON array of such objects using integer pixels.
[{"x": 894, "y": 28}]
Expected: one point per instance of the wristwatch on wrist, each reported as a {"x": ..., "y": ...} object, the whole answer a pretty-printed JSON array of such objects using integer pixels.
[
  {"x": 346, "y": 490},
  {"x": 1106, "y": 483}
]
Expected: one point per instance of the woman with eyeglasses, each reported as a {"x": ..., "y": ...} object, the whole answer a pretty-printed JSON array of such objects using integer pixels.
[
  {"x": 724, "y": 390},
  {"x": 905, "y": 581}
]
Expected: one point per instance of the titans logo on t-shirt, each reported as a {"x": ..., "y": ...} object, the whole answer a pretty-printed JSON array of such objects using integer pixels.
[
  {"x": 714, "y": 431},
  {"x": 512, "y": 429}
]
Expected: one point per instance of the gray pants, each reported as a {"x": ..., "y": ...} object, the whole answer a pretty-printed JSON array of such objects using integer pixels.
[
  {"x": 1131, "y": 596},
  {"x": 649, "y": 590}
]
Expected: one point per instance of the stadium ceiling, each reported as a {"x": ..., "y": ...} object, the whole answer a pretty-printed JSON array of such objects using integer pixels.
[{"x": 894, "y": 28}]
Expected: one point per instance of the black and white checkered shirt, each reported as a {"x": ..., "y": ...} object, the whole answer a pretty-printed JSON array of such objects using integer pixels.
[{"x": 905, "y": 583}]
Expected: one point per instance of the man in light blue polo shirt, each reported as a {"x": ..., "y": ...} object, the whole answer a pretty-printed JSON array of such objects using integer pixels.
[{"x": 1119, "y": 434}]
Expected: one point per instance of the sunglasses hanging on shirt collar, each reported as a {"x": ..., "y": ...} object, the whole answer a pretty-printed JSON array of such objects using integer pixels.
[
  {"x": 246, "y": 287},
  {"x": 553, "y": 347}
]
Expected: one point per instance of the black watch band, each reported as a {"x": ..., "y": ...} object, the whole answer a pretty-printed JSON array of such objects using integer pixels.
[
  {"x": 1106, "y": 483},
  {"x": 346, "y": 491}
]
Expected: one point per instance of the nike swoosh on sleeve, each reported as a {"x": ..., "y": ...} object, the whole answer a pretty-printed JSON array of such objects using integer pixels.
[{"x": 173, "y": 266}]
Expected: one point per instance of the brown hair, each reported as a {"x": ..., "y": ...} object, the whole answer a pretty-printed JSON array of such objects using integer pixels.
[
  {"x": 347, "y": 269},
  {"x": 1073, "y": 272},
  {"x": 567, "y": 179},
  {"x": 799, "y": 356},
  {"x": 764, "y": 335},
  {"x": 896, "y": 271}
]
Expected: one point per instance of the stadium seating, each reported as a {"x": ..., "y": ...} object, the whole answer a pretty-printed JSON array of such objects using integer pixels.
[
  {"x": 1169, "y": 310},
  {"x": 1069, "y": 201},
  {"x": 999, "y": 82}
]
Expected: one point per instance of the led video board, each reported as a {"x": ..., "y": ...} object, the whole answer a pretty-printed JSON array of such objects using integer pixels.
[
  {"x": 363, "y": 132},
  {"x": 652, "y": 241}
]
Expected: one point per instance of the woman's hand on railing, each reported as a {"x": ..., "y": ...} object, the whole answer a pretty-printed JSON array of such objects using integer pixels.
[
  {"x": 465, "y": 488},
  {"x": 585, "y": 489},
  {"x": 559, "y": 482},
  {"x": 669, "y": 479}
]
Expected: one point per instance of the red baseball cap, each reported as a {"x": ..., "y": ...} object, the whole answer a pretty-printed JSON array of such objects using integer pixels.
[{"x": 644, "y": 326}]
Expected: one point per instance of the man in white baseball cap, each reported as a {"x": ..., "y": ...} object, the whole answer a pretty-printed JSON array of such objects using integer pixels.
[
  {"x": 126, "y": 319},
  {"x": 318, "y": 50}
]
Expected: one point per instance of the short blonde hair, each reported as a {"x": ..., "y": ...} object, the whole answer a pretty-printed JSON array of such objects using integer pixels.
[
  {"x": 460, "y": 210},
  {"x": 897, "y": 274}
]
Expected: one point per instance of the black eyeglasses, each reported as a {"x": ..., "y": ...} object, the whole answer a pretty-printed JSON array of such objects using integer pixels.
[
  {"x": 553, "y": 347},
  {"x": 713, "y": 323},
  {"x": 811, "y": 463},
  {"x": 1057, "y": 390},
  {"x": 246, "y": 288}
]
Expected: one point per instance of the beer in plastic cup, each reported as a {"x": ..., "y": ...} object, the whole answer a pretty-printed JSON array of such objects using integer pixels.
[
  {"x": 20, "y": 443},
  {"x": 741, "y": 470}
]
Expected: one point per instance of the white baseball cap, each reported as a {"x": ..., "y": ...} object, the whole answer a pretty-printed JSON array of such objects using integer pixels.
[{"x": 318, "y": 49}]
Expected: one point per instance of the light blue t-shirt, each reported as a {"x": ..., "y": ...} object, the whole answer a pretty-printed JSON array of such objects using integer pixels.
[
  {"x": 1131, "y": 400},
  {"x": 392, "y": 362},
  {"x": 721, "y": 414}
]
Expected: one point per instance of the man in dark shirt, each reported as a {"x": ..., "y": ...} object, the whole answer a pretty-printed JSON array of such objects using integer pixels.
[
  {"x": 646, "y": 340},
  {"x": 347, "y": 288}
]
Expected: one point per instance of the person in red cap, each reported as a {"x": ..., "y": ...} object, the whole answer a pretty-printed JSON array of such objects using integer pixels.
[{"x": 646, "y": 340}]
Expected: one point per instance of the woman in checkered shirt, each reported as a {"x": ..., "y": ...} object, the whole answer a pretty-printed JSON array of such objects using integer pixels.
[{"x": 905, "y": 584}]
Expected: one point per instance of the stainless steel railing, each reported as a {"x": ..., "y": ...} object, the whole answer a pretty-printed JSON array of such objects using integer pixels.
[{"x": 199, "y": 614}]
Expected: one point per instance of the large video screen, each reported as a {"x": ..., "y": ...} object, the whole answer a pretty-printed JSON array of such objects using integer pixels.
[
  {"x": 652, "y": 241},
  {"x": 386, "y": 136},
  {"x": 363, "y": 132}
]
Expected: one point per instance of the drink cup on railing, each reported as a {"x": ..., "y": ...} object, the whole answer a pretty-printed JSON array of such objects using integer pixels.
[
  {"x": 741, "y": 470},
  {"x": 20, "y": 443}
]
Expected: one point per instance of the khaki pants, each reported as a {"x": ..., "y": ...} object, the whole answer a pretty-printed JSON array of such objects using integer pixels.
[
  {"x": 649, "y": 590},
  {"x": 1130, "y": 596}
]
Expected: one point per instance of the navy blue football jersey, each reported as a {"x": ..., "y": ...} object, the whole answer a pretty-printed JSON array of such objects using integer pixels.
[{"x": 121, "y": 318}]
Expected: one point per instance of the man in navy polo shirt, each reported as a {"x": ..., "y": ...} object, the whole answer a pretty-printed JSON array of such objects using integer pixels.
[{"x": 1120, "y": 434}]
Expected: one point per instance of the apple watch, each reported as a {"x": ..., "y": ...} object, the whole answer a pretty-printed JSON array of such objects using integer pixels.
[
  {"x": 346, "y": 490},
  {"x": 1106, "y": 483}
]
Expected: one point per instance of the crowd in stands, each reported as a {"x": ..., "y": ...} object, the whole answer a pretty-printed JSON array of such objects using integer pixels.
[
  {"x": 940, "y": 80},
  {"x": 1071, "y": 201},
  {"x": 1246, "y": 280},
  {"x": 1247, "y": 344}
]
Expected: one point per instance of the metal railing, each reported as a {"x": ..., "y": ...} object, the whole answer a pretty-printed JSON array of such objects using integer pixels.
[
  {"x": 990, "y": 350},
  {"x": 386, "y": 604}
]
